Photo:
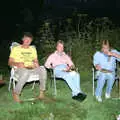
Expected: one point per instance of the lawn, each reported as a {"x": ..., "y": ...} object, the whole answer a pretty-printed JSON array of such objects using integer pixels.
[{"x": 61, "y": 107}]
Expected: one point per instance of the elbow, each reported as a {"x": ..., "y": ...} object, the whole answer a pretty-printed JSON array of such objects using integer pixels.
[{"x": 8, "y": 62}]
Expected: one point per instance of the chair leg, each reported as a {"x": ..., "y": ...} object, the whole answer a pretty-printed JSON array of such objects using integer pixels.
[
  {"x": 93, "y": 81},
  {"x": 117, "y": 82},
  {"x": 33, "y": 85},
  {"x": 55, "y": 90},
  {"x": 118, "y": 88},
  {"x": 52, "y": 77},
  {"x": 10, "y": 82}
]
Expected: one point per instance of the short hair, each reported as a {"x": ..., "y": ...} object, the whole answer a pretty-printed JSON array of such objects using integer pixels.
[
  {"x": 28, "y": 34},
  {"x": 60, "y": 42}
]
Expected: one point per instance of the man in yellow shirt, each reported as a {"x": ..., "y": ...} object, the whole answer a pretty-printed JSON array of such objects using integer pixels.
[{"x": 24, "y": 57}]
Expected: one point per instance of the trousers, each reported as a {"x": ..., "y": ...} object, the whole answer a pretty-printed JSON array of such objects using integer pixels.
[
  {"x": 72, "y": 78},
  {"x": 23, "y": 74}
]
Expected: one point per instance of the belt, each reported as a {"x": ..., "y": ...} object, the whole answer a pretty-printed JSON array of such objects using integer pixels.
[
  {"x": 106, "y": 71},
  {"x": 29, "y": 68}
]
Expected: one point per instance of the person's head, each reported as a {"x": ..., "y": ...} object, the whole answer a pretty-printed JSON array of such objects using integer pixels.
[
  {"x": 60, "y": 46},
  {"x": 105, "y": 46},
  {"x": 27, "y": 38}
]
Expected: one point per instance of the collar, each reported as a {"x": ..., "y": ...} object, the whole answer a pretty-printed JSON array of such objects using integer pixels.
[{"x": 59, "y": 53}]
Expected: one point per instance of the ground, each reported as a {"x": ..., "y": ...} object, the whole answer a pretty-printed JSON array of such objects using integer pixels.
[{"x": 61, "y": 107}]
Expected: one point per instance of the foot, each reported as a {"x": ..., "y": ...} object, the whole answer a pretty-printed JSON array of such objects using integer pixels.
[
  {"x": 98, "y": 98},
  {"x": 41, "y": 96},
  {"x": 82, "y": 96},
  {"x": 16, "y": 97},
  {"x": 107, "y": 96}
]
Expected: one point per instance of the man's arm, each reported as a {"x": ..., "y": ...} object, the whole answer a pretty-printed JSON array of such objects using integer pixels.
[
  {"x": 115, "y": 54},
  {"x": 36, "y": 63},
  {"x": 11, "y": 62},
  {"x": 69, "y": 63},
  {"x": 48, "y": 63}
]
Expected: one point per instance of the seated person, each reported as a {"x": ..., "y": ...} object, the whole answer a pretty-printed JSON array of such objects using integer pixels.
[
  {"x": 105, "y": 62},
  {"x": 24, "y": 58},
  {"x": 62, "y": 64}
]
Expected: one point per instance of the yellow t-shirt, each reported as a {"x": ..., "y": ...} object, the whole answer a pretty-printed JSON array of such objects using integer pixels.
[{"x": 25, "y": 55}]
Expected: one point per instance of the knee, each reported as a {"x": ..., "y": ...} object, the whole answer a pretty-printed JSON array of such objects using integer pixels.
[
  {"x": 76, "y": 74},
  {"x": 102, "y": 76},
  {"x": 42, "y": 68}
]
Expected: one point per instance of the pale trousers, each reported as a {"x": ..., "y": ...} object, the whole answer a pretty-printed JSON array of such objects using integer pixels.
[{"x": 23, "y": 75}]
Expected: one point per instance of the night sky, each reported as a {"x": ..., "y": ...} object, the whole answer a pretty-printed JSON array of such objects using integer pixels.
[{"x": 28, "y": 12}]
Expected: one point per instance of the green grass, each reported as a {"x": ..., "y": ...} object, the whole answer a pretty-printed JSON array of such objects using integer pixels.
[{"x": 62, "y": 107}]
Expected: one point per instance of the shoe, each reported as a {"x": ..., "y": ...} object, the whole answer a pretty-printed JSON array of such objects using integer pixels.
[
  {"x": 75, "y": 97},
  {"x": 98, "y": 98},
  {"x": 107, "y": 96},
  {"x": 16, "y": 97},
  {"x": 80, "y": 97}
]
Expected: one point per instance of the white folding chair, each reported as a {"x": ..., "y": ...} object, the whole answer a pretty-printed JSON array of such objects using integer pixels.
[
  {"x": 53, "y": 81},
  {"x": 95, "y": 75},
  {"x": 14, "y": 78}
]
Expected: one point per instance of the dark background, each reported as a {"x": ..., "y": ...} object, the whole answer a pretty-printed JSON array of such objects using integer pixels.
[
  {"x": 17, "y": 16},
  {"x": 27, "y": 13}
]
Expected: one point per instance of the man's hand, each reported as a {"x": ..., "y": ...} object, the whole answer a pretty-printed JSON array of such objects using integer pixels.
[
  {"x": 69, "y": 68},
  {"x": 35, "y": 63},
  {"x": 110, "y": 53},
  {"x": 11, "y": 62},
  {"x": 113, "y": 54},
  {"x": 20, "y": 65},
  {"x": 98, "y": 67}
]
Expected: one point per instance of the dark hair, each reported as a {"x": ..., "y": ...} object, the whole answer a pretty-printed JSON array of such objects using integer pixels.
[
  {"x": 106, "y": 42},
  {"x": 28, "y": 34}
]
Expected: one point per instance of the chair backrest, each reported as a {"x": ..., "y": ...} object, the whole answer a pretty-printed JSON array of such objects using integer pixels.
[
  {"x": 14, "y": 44},
  {"x": 96, "y": 73}
]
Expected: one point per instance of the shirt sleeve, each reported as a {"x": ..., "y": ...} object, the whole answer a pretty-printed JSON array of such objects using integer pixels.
[
  {"x": 49, "y": 61},
  {"x": 13, "y": 53},
  {"x": 117, "y": 52},
  {"x": 96, "y": 58}
]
